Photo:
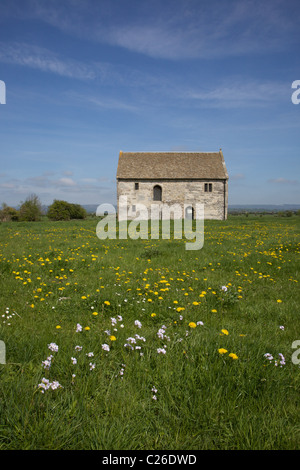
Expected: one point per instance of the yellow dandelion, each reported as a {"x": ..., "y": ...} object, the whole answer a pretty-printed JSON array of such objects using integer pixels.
[
  {"x": 192, "y": 324},
  {"x": 112, "y": 338},
  {"x": 106, "y": 302},
  {"x": 279, "y": 301},
  {"x": 233, "y": 356},
  {"x": 214, "y": 310},
  {"x": 87, "y": 328},
  {"x": 58, "y": 327},
  {"x": 222, "y": 351},
  {"x": 153, "y": 314},
  {"x": 225, "y": 332}
]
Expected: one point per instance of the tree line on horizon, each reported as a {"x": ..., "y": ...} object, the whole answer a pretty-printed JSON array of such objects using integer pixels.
[{"x": 31, "y": 211}]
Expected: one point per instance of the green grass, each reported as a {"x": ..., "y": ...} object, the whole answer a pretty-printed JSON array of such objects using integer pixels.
[{"x": 55, "y": 275}]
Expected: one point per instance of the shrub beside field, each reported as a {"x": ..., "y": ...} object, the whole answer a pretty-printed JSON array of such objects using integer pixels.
[{"x": 141, "y": 344}]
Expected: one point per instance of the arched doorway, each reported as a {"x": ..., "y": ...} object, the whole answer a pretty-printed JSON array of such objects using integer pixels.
[
  {"x": 189, "y": 212},
  {"x": 157, "y": 193}
]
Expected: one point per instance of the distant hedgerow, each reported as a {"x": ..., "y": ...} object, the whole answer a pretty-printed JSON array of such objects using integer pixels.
[{"x": 63, "y": 210}]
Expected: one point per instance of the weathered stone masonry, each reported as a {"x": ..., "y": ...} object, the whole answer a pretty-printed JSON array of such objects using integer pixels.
[{"x": 182, "y": 178}]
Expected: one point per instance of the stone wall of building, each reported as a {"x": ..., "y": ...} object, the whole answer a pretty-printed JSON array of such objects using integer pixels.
[{"x": 176, "y": 192}]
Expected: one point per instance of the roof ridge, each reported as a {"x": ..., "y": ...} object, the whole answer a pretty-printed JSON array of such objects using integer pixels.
[{"x": 162, "y": 151}]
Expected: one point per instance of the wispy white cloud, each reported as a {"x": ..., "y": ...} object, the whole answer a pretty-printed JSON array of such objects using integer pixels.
[
  {"x": 43, "y": 59},
  {"x": 62, "y": 182},
  {"x": 81, "y": 190},
  {"x": 237, "y": 177},
  {"x": 237, "y": 92},
  {"x": 174, "y": 29},
  {"x": 284, "y": 181},
  {"x": 102, "y": 101}
]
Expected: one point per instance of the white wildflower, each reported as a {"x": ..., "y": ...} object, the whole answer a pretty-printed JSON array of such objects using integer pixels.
[
  {"x": 131, "y": 340},
  {"x": 161, "y": 351},
  {"x": 47, "y": 362}
]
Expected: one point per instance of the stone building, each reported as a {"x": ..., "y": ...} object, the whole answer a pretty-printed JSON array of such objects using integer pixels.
[{"x": 173, "y": 178}]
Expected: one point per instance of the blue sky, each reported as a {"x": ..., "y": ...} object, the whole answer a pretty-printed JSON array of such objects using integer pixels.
[{"x": 88, "y": 78}]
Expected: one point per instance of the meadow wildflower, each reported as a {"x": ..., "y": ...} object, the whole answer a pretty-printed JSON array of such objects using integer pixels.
[
  {"x": 225, "y": 332},
  {"x": 161, "y": 333},
  {"x": 53, "y": 347},
  {"x": 192, "y": 324},
  {"x": 47, "y": 363},
  {"x": 105, "y": 347},
  {"x": 46, "y": 385},
  {"x": 233, "y": 356},
  {"x": 161, "y": 351},
  {"x": 222, "y": 351}
]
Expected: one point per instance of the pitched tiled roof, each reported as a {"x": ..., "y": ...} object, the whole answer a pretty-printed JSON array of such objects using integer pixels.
[{"x": 171, "y": 165}]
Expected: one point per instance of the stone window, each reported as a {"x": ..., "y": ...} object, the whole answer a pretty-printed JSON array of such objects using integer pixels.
[
  {"x": 157, "y": 193},
  {"x": 133, "y": 208},
  {"x": 136, "y": 186},
  {"x": 207, "y": 187}
]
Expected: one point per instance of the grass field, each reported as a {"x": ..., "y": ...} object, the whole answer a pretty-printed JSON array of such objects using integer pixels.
[{"x": 141, "y": 344}]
